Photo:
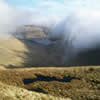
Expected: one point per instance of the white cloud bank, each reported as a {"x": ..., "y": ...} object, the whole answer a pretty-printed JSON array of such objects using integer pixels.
[
  {"x": 81, "y": 24},
  {"x": 79, "y": 18},
  {"x": 10, "y": 18},
  {"x": 44, "y": 13},
  {"x": 6, "y": 18}
]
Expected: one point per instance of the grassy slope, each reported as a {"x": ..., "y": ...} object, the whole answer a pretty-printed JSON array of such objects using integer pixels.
[
  {"x": 15, "y": 93},
  {"x": 84, "y": 83},
  {"x": 8, "y": 52},
  {"x": 15, "y": 53},
  {"x": 77, "y": 83},
  {"x": 27, "y": 53}
]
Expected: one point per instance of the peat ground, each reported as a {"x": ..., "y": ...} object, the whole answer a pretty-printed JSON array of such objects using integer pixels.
[{"x": 79, "y": 83}]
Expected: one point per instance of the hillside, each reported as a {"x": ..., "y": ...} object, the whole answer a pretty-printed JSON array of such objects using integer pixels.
[
  {"x": 23, "y": 53},
  {"x": 15, "y": 93},
  {"x": 27, "y": 72},
  {"x": 41, "y": 52},
  {"x": 8, "y": 52},
  {"x": 39, "y": 83},
  {"x": 31, "y": 46}
]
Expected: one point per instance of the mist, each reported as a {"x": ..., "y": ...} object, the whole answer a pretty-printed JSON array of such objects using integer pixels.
[
  {"x": 79, "y": 32},
  {"x": 75, "y": 23},
  {"x": 80, "y": 20},
  {"x": 81, "y": 28},
  {"x": 11, "y": 18}
]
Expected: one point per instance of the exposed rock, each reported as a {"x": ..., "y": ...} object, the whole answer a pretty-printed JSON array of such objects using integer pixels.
[{"x": 30, "y": 32}]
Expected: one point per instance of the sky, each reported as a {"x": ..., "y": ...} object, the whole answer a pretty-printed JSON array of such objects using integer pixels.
[
  {"x": 29, "y": 2},
  {"x": 33, "y": 3},
  {"x": 47, "y": 9},
  {"x": 51, "y": 10},
  {"x": 14, "y": 13},
  {"x": 53, "y": 7}
]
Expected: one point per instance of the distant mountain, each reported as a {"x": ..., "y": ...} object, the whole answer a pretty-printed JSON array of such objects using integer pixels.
[
  {"x": 31, "y": 46},
  {"x": 16, "y": 52},
  {"x": 31, "y": 31}
]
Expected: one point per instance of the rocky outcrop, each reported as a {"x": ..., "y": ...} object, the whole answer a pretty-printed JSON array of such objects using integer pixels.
[{"x": 30, "y": 32}]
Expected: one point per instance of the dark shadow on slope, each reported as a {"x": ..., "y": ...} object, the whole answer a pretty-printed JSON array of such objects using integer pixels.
[
  {"x": 38, "y": 90},
  {"x": 40, "y": 55},
  {"x": 89, "y": 57},
  {"x": 44, "y": 52},
  {"x": 52, "y": 55}
]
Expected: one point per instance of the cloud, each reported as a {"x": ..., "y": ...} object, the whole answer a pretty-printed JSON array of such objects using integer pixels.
[
  {"x": 10, "y": 18},
  {"x": 48, "y": 11},
  {"x": 81, "y": 23},
  {"x": 45, "y": 12},
  {"x": 5, "y": 18},
  {"x": 78, "y": 17},
  {"x": 76, "y": 21}
]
